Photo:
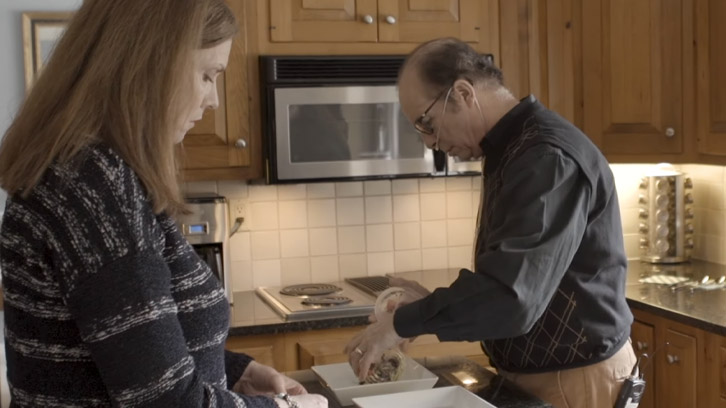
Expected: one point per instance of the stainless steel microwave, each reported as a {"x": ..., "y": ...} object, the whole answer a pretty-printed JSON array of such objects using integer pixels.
[{"x": 338, "y": 118}]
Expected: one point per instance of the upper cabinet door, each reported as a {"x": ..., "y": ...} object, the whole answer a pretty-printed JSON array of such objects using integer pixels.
[
  {"x": 323, "y": 20},
  {"x": 633, "y": 69},
  {"x": 711, "y": 76},
  {"x": 423, "y": 20}
]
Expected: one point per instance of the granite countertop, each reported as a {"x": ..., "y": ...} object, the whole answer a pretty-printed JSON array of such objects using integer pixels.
[
  {"x": 703, "y": 309},
  {"x": 698, "y": 308},
  {"x": 451, "y": 371}
]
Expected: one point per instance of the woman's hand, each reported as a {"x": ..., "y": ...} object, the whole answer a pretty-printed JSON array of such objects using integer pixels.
[
  {"x": 261, "y": 379},
  {"x": 305, "y": 401}
]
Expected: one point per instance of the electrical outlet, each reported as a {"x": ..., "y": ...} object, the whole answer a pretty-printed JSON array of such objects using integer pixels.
[{"x": 237, "y": 208}]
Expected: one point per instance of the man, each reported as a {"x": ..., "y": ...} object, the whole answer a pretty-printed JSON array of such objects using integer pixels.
[{"x": 547, "y": 295}]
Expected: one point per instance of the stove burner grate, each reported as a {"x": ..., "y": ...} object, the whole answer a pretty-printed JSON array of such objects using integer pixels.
[
  {"x": 331, "y": 300},
  {"x": 310, "y": 289}
]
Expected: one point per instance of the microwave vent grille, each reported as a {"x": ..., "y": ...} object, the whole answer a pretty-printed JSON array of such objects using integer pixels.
[{"x": 337, "y": 69}]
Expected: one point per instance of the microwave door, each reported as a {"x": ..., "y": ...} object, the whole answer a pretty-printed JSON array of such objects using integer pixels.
[{"x": 344, "y": 132}]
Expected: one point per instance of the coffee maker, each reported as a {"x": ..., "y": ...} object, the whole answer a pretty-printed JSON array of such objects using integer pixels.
[{"x": 206, "y": 229}]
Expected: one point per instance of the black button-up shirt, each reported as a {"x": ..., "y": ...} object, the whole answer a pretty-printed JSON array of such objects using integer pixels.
[{"x": 548, "y": 289}]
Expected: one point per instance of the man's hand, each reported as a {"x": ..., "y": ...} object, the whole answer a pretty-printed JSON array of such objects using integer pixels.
[{"x": 368, "y": 346}]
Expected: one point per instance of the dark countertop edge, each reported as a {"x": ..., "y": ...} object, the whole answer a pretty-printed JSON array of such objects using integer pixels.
[
  {"x": 677, "y": 316},
  {"x": 304, "y": 325}
]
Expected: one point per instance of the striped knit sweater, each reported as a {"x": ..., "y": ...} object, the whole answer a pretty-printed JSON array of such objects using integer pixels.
[{"x": 106, "y": 303}]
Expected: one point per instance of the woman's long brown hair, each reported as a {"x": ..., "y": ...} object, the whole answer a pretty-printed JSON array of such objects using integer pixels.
[{"x": 115, "y": 76}]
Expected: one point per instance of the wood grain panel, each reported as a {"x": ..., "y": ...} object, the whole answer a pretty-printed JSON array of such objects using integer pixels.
[
  {"x": 711, "y": 77},
  {"x": 633, "y": 74},
  {"x": 679, "y": 386},
  {"x": 322, "y": 20},
  {"x": 643, "y": 337}
]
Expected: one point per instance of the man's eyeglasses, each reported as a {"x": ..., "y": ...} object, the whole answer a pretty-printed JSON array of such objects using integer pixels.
[{"x": 423, "y": 122}]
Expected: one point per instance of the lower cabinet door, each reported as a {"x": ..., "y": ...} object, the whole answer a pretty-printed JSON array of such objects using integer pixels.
[
  {"x": 678, "y": 388},
  {"x": 643, "y": 337}
]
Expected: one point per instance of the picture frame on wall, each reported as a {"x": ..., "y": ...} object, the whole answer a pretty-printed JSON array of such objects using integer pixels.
[{"x": 41, "y": 31}]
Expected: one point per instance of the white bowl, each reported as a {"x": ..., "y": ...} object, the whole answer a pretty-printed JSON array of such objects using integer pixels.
[
  {"x": 344, "y": 384},
  {"x": 445, "y": 397}
]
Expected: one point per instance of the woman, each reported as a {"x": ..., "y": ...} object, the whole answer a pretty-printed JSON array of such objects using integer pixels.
[{"x": 106, "y": 304}]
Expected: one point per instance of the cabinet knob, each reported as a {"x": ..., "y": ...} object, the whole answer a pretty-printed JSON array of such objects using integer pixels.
[
  {"x": 390, "y": 20},
  {"x": 240, "y": 144},
  {"x": 670, "y": 132},
  {"x": 641, "y": 345},
  {"x": 368, "y": 19},
  {"x": 672, "y": 359}
]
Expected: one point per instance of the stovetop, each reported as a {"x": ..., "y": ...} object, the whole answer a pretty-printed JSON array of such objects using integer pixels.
[{"x": 350, "y": 298}]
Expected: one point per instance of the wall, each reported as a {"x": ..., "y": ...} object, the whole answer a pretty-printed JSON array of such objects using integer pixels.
[
  {"x": 12, "y": 86},
  {"x": 329, "y": 231}
]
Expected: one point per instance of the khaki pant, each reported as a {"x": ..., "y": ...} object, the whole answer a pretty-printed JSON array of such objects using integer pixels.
[{"x": 593, "y": 386}]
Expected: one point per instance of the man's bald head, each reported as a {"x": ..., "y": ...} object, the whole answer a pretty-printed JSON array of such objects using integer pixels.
[{"x": 438, "y": 63}]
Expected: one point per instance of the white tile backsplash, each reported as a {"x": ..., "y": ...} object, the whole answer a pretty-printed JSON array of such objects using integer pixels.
[
  {"x": 199, "y": 187},
  {"x": 380, "y": 263},
  {"x": 379, "y": 237},
  {"x": 265, "y": 245},
  {"x": 433, "y": 206},
  {"x": 232, "y": 189},
  {"x": 324, "y": 268},
  {"x": 379, "y": 209},
  {"x": 377, "y": 187},
  {"x": 331, "y": 231},
  {"x": 458, "y": 184},
  {"x": 407, "y": 235},
  {"x": 323, "y": 241},
  {"x": 295, "y": 271},
  {"x": 293, "y": 214},
  {"x": 321, "y": 213},
  {"x": 458, "y": 204},
  {"x": 353, "y": 265},
  {"x": 460, "y": 231},
  {"x": 239, "y": 247},
  {"x": 435, "y": 258},
  {"x": 321, "y": 190},
  {"x": 433, "y": 234},
  {"x": 405, "y": 186},
  {"x": 294, "y": 243},
  {"x": 406, "y": 208},
  {"x": 460, "y": 257},
  {"x": 352, "y": 239},
  {"x": 351, "y": 211},
  {"x": 263, "y": 215},
  {"x": 292, "y": 191},
  {"x": 432, "y": 185},
  {"x": 409, "y": 260},
  {"x": 259, "y": 192},
  {"x": 349, "y": 189},
  {"x": 266, "y": 273}
]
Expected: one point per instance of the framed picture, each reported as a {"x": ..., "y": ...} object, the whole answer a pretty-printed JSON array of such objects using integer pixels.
[{"x": 41, "y": 30}]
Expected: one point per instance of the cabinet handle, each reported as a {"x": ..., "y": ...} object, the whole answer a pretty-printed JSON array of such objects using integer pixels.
[
  {"x": 641, "y": 345},
  {"x": 368, "y": 19},
  {"x": 670, "y": 132},
  {"x": 240, "y": 144},
  {"x": 672, "y": 359},
  {"x": 390, "y": 20}
]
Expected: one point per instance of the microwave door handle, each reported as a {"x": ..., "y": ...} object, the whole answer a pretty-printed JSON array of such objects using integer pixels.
[{"x": 219, "y": 266}]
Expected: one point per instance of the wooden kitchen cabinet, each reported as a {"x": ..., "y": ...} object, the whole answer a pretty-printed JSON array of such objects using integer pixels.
[
  {"x": 268, "y": 349},
  {"x": 643, "y": 337},
  {"x": 226, "y": 144},
  {"x": 636, "y": 55},
  {"x": 304, "y": 349},
  {"x": 715, "y": 370},
  {"x": 711, "y": 77},
  {"x": 373, "y": 20},
  {"x": 687, "y": 367}
]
